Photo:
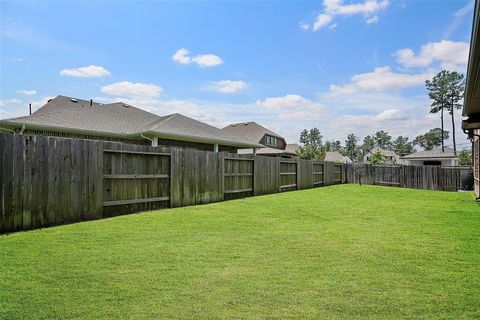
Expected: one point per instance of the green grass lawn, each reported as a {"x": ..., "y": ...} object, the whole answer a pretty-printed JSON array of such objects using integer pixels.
[{"x": 345, "y": 252}]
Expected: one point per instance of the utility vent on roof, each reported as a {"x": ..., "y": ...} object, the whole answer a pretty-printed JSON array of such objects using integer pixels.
[
  {"x": 246, "y": 123},
  {"x": 74, "y": 100},
  {"x": 126, "y": 106},
  {"x": 49, "y": 100}
]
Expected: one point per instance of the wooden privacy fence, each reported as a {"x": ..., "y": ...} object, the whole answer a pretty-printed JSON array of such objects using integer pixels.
[
  {"x": 47, "y": 181},
  {"x": 417, "y": 177}
]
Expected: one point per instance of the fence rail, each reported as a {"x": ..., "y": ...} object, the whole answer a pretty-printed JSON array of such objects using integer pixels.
[
  {"x": 47, "y": 181},
  {"x": 417, "y": 177}
]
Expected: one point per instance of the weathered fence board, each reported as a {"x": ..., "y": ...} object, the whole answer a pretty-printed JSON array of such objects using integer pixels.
[
  {"x": 416, "y": 177},
  {"x": 134, "y": 180},
  {"x": 44, "y": 181},
  {"x": 196, "y": 177},
  {"x": 318, "y": 173},
  {"x": 238, "y": 177},
  {"x": 304, "y": 174},
  {"x": 266, "y": 175},
  {"x": 288, "y": 175}
]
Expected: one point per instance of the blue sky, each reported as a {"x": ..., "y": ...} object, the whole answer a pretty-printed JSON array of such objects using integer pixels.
[{"x": 341, "y": 66}]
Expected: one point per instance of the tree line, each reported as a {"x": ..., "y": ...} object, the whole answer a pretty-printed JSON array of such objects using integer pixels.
[{"x": 445, "y": 90}]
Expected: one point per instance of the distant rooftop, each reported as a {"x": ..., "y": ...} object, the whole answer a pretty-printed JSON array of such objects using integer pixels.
[
  {"x": 336, "y": 157},
  {"x": 384, "y": 152},
  {"x": 434, "y": 153},
  {"x": 250, "y": 131}
]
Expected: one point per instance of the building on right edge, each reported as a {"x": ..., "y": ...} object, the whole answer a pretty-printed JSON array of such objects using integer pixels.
[{"x": 471, "y": 106}]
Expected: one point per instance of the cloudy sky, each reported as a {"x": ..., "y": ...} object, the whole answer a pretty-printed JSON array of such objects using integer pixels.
[{"x": 342, "y": 66}]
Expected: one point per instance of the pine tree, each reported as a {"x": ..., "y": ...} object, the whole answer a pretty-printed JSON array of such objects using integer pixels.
[{"x": 438, "y": 92}]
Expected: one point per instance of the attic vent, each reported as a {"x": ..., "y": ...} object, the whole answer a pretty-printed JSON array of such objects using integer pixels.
[
  {"x": 49, "y": 100},
  {"x": 74, "y": 100},
  {"x": 246, "y": 123},
  {"x": 126, "y": 106},
  {"x": 233, "y": 125}
]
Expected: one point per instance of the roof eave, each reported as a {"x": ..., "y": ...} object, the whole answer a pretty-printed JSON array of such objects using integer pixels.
[
  {"x": 420, "y": 158},
  {"x": 12, "y": 125},
  {"x": 472, "y": 106},
  {"x": 191, "y": 138}
]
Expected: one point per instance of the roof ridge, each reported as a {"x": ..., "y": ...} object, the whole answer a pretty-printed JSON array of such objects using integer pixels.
[{"x": 47, "y": 113}]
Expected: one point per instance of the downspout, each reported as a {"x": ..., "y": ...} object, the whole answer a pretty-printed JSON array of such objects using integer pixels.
[
  {"x": 466, "y": 131},
  {"x": 6, "y": 129},
  {"x": 150, "y": 139}
]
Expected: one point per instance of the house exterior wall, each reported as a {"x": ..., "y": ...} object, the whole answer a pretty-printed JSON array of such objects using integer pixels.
[
  {"x": 194, "y": 145},
  {"x": 476, "y": 162},
  {"x": 444, "y": 162},
  {"x": 80, "y": 136},
  {"x": 280, "y": 142},
  {"x": 388, "y": 159}
]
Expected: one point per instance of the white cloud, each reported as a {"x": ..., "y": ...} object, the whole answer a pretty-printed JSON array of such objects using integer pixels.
[
  {"x": 304, "y": 26},
  {"x": 291, "y": 107},
  {"x": 380, "y": 79},
  {"x": 333, "y": 26},
  {"x": 86, "y": 72},
  {"x": 203, "y": 60},
  {"x": 367, "y": 7},
  {"x": 332, "y": 8},
  {"x": 227, "y": 86},
  {"x": 27, "y": 92},
  {"x": 288, "y": 101},
  {"x": 7, "y": 102},
  {"x": 448, "y": 53},
  {"x": 392, "y": 114},
  {"x": 321, "y": 21},
  {"x": 181, "y": 56},
  {"x": 372, "y": 20},
  {"x": 10, "y": 108},
  {"x": 130, "y": 89},
  {"x": 207, "y": 60}
]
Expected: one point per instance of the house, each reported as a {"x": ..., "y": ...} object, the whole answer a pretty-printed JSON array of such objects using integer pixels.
[
  {"x": 71, "y": 117},
  {"x": 289, "y": 152},
  {"x": 336, "y": 156},
  {"x": 471, "y": 105},
  {"x": 256, "y": 134},
  {"x": 434, "y": 157},
  {"x": 390, "y": 157}
]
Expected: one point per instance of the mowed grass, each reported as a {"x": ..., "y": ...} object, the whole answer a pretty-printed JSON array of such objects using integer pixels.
[{"x": 340, "y": 252}]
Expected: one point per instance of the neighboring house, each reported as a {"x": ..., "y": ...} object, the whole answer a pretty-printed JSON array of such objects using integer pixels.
[
  {"x": 289, "y": 152},
  {"x": 389, "y": 156},
  {"x": 70, "y": 117},
  {"x": 336, "y": 156},
  {"x": 434, "y": 157},
  {"x": 254, "y": 133},
  {"x": 471, "y": 105}
]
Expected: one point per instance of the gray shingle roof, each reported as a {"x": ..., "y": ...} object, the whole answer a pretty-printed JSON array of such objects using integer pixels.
[
  {"x": 384, "y": 152},
  {"x": 119, "y": 119},
  {"x": 60, "y": 103},
  {"x": 179, "y": 125},
  {"x": 290, "y": 149},
  {"x": 112, "y": 118},
  {"x": 434, "y": 153},
  {"x": 336, "y": 157},
  {"x": 251, "y": 131}
]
